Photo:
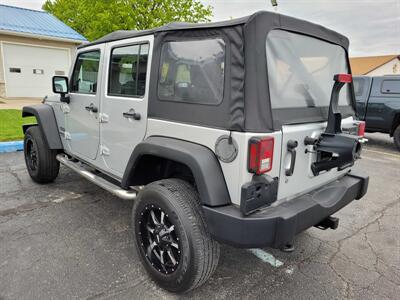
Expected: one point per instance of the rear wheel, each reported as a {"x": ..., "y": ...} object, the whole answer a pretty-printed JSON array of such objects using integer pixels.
[
  {"x": 171, "y": 236},
  {"x": 41, "y": 161},
  {"x": 396, "y": 137}
]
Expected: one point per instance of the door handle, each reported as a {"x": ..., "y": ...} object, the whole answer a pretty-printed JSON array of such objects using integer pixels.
[
  {"x": 131, "y": 114},
  {"x": 92, "y": 108},
  {"x": 291, "y": 147}
]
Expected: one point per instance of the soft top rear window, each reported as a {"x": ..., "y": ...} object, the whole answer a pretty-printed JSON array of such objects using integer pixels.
[{"x": 301, "y": 70}]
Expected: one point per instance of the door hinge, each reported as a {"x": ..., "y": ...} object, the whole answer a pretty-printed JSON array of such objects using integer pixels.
[
  {"x": 65, "y": 108},
  {"x": 67, "y": 135},
  {"x": 103, "y": 118},
  {"x": 104, "y": 150}
]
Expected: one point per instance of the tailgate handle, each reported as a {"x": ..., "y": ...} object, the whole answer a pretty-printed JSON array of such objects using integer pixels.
[{"x": 291, "y": 147}]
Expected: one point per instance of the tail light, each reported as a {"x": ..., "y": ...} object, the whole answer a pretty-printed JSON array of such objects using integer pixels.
[
  {"x": 361, "y": 129},
  {"x": 261, "y": 153},
  {"x": 344, "y": 78}
]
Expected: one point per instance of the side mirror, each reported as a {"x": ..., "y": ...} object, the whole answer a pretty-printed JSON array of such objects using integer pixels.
[{"x": 60, "y": 86}]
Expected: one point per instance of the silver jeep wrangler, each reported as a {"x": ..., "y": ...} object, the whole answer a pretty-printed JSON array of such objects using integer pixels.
[{"x": 240, "y": 132}]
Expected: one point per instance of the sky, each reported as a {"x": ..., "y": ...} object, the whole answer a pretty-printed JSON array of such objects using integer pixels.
[{"x": 373, "y": 26}]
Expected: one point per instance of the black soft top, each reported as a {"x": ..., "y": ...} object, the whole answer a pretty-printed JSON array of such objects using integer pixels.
[
  {"x": 246, "y": 102},
  {"x": 328, "y": 34}
]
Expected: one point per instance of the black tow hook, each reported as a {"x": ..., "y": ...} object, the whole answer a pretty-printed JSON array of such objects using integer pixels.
[{"x": 329, "y": 222}]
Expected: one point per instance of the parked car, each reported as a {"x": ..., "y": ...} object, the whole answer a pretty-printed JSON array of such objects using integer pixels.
[
  {"x": 378, "y": 104},
  {"x": 227, "y": 132}
]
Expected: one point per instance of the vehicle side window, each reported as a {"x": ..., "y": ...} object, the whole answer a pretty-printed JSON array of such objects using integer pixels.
[
  {"x": 390, "y": 87},
  {"x": 128, "y": 68},
  {"x": 84, "y": 77},
  {"x": 358, "y": 86},
  {"x": 192, "y": 71}
]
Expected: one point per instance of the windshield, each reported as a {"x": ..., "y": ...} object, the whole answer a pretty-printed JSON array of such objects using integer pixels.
[{"x": 301, "y": 70}]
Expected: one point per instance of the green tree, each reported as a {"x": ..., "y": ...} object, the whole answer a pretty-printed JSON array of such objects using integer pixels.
[{"x": 93, "y": 19}]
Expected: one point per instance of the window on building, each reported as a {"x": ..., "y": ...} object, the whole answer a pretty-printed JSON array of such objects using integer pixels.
[
  {"x": 15, "y": 70},
  {"x": 391, "y": 86},
  {"x": 192, "y": 71},
  {"x": 38, "y": 71},
  {"x": 84, "y": 77},
  {"x": 128, "y": 68}
]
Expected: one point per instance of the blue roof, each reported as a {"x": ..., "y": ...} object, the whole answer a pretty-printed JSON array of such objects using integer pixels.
[{"x": 35, "y": 22}]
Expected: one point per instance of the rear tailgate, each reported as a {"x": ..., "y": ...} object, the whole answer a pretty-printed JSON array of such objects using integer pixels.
[{"x": 302, "y": 180}]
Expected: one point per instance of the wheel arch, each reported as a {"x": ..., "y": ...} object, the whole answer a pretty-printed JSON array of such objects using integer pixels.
[
  {"x": 200, "y": 160},
  {"x": 47, "y": 123}
]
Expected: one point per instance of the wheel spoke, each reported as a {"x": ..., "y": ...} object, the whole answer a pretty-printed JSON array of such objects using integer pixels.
[
  {"x": 157, "y": 255},
  {"x": 162, "y": 217},
  {"x": 172, "y": 257},
  {"x": 153, "y": 217},
  {"x": 162, "y": 257},
  {"x": 150, "y": 248},
  {"x": 175, "y": 245},
  {"x": 169, "y": 230},
  {"x": 151, "y": 230}
]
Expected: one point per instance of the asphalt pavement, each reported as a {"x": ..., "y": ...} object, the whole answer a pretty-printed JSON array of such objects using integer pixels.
[{"x": 71, "y": 240}]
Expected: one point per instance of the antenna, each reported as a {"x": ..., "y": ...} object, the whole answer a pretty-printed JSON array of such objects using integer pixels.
[{"x": 275, "y": 5}]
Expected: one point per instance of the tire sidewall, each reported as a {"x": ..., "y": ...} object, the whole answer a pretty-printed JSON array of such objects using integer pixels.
[
  {"x": 184, "y": 274},
  {"x": 396, "y": 137}
]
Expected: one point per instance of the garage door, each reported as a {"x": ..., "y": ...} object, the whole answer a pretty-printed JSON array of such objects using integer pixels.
[{"x": 29, "y": 69}]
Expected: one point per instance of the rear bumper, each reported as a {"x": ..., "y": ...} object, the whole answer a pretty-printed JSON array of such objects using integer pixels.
[{"x": 277, "y": 226}]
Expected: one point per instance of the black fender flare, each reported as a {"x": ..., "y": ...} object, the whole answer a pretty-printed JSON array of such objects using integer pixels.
[
  {"x": 203, "y": 163},
  {"x": 47, "y": 123}
]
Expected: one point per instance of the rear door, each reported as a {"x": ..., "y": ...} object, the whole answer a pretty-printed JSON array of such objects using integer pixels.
[
  {"x": 301, "y": 71},
  {"x": 124, "y": 100},
  {"x": 82, "y": 124}
]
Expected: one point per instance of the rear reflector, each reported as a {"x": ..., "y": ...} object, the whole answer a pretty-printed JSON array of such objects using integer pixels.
[
  {"x": 261, "y": 152},
  {"x": 345, "y": 78},
  {"x": 361, "y": 129}
]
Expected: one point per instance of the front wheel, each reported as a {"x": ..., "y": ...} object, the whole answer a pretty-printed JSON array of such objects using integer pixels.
[
  {"x": 171, "y": 236},
  {"x": 41, "y": 162},
  {"x": 396, "y": 137}
]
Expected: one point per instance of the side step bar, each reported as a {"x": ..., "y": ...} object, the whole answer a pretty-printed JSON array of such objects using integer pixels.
[{"x": 101, "y": 182}]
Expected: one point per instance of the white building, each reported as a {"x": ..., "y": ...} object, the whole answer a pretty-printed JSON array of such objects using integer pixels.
[
  {"x": 34, "y": 46},
  {"x": 376, "y": 65}
]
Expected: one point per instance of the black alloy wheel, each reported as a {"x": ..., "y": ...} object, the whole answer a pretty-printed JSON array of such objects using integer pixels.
[
  {"x": 159, "y": 239},
  {"x": 31, "y": 154}
]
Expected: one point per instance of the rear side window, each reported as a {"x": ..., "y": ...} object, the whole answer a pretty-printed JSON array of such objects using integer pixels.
[
  {"x": 128, "y": 68},
  {"x": 192, "y": 71},
  {"x": 84, "y": 77},
  {"x": 358, "y": 84},
  {"x": 390, "y": 87}
]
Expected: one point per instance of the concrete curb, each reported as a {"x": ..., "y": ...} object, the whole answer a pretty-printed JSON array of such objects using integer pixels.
[{"x": 11, "y": 146}]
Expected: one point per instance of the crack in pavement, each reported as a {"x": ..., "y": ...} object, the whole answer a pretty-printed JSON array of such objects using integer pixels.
[{"x": 39, "y": 205}]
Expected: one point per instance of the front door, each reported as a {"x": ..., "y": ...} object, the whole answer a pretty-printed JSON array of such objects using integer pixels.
[
  {"x": 124, "y": 104},
  {"x": 82, "y": 124}
]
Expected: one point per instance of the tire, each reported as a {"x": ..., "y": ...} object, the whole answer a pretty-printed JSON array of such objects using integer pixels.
[
  {"x": 195, "y": 253},
  {"x": 41, "y": 162},
  {"x": 396, "y": 137}
]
